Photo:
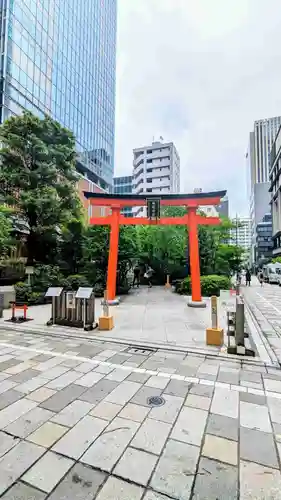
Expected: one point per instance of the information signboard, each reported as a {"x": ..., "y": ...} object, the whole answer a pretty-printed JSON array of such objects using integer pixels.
[
  {"x": 53, "y": 291},
  {"x": 228, "y": 299},
  {"x": 84, "y": 292}
]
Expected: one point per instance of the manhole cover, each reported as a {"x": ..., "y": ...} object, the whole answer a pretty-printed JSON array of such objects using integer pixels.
[
  {"x": 139, "y": 350},
  {"x": 155, "y": 401}
]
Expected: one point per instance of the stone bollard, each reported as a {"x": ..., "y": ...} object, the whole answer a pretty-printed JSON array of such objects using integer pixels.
[
  {"x": 106, "y": 321},
  {"x": 214, "y": 335}
]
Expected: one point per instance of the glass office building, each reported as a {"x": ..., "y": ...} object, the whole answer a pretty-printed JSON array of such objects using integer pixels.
[{"x": 59, "y": 57}]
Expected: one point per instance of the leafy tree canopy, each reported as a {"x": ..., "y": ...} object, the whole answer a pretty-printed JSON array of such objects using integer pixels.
[{"x": 38, "y": 172}]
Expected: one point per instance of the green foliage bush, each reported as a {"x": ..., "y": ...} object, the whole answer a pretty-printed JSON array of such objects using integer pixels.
[
  {"x": 74, "y": 281},
  {"x": 46, "y": 276},
  {"x": 26, "y": 295},
  {"x": 210, "y": 285}
]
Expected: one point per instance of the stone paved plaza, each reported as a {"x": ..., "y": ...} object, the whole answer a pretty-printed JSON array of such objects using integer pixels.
[{"x": 77, "y": 422}]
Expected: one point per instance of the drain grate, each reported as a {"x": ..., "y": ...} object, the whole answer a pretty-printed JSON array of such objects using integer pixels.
[
  {"x": 155, "y": 401},
  {"x": 139, "y": 350}
]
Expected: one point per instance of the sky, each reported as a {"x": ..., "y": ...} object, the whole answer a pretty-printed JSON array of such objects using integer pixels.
[{"x": 198, "y": 73}]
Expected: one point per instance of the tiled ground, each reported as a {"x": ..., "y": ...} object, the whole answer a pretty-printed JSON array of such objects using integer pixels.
[{"x": 75, "y": 423}]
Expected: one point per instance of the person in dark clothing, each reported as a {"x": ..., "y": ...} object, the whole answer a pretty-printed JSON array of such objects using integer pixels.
[
  {"x": 148, "y": 275},
  {"x": 136, "y": 279},
  {"x": 248, "y": 278}
]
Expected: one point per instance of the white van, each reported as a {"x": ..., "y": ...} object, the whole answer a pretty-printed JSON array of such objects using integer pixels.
[{"x": 272, "y": 273}]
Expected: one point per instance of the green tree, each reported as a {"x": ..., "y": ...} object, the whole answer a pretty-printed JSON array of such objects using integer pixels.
[
  {"x": 38, "y": 171},
  {"x": 5, "y": 230}
]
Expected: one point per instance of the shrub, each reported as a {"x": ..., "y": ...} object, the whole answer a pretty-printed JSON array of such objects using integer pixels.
[
  {"x": 210, "y": 285},
  {"x": 74, "y": 281},
  {"x": 46, "y": 276},
  {"x": 23, "y": 292}
]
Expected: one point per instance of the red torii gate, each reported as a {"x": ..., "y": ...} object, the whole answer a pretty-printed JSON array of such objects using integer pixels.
[{"x": 191, "y": 219}]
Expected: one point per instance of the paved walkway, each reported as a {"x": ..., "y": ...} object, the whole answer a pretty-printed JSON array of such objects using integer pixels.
[
  {"x": 79, "y": 420},
  {"x": 155, "y": 316},
  {"x": 265, "y": 305}
]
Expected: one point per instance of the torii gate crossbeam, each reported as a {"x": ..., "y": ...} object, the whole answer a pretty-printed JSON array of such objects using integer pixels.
[{"x": 191, "y": 219}]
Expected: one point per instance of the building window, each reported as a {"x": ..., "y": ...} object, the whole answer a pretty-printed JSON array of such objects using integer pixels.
[
  {"x": 149, "y": 190},
  {"x": 148, "y": 161},
  {"x": 149, "y": 151}
]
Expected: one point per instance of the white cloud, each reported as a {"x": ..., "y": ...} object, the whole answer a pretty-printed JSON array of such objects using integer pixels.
[{"x": 197, "y": 72}]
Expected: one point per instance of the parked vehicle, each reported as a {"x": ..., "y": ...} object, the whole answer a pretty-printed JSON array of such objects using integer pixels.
[{"x": 272, "y": 273}]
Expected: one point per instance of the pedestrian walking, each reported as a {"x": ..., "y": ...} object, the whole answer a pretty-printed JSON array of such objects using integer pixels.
[
  {"x": 148, "y": 275},
  {"x": 261, "y": 278},
  {"x": 136, "y": 279},
  {"x": 248, "y": 278}
]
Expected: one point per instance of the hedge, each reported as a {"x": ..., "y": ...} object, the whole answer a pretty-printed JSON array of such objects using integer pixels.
[{"x": 210, "y": 285}]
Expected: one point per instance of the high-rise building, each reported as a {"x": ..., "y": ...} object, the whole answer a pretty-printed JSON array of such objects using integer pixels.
[
  {"x": 241, "y": 232},
  {"x": 258, "y": 156},
  {"x": 124, "y": 185},
  {"x": 275, "y": 183},
  {"x": 59, "y": 57},
  {"x": 264, "y": 244},
  {"x": 156, "y": 170}
]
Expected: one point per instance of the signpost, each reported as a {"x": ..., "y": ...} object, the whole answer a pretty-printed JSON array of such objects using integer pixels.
[
  {"x": 153, "y": 208},
  {"x": 84, "y": 293},
  {"x": 53, "y": 291}
]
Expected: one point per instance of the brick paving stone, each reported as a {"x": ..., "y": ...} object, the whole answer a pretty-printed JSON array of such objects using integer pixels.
[
  {"x": 41, "y": 394},
  {"x": 186, "y": 371},
  {"x": 277, "y": 431},
  {"x": 215, "y": 480},
  {"x": 90, "y": 379},
  {"x": 80, "y": 437},
  {"x": 169, "y": 411},
  {"x": 47, "y": 434},
  {"x": 220, "y": 449},
  {"x": 31, "y": 385},
  {"x": 259, "y": 482},
  {"x": 141, "y": 397},
  {"x": 228, "y": 378},
  {"x": 110, "y": 445},
  {"x": 103, "y": 369},
  {"x": 190, "y": 425},
  {"x": 21, "y": 491},
  {"x": 48, "y": 471},
  {"x": 14, "y": 411},
  {"x": 70, "y": 363},
  {"x": 135, "y": 412},
  {"x": 175, "y": 471},
  {"x": 64, "y": 380},
  {"x": 222, "y": 426},
  {"x": 85, "y": 367},
  {"x": 9, "y": 397},
  {"x": 99, "y": 391},
  {"x": 254, "y": 417},
  {"x": 16, "y": 462},
  {"x": 152, "y": 495},
  {"x": 252, "y": 398},
  {"x": 123, "y": 393},
  {"x": 198, "y": 402},
  {"x": 119, "y": 359},
  {"x": 250, "y": 376},
  {"x": 106, "y": 410},
  {"x": 118, "y": 374},
  {"x": 256, "y": 446},
  {"x": 41, "y": 358},
  {"x": 6, "y": 385},
  {"x": 157, "y": 382},
  {"x": 46, "y": 367},
  {"x": 81, "y": 483},
  {"x": 25, "y": 375},
  {"x": 274, "y": 406},
  {"x": 177, "y": 388},
  {"x": 151, "y": 436},
  {"x": 29, "y": 422},
  {"x": 141, "y": 378},
  {"x": 72, "y": 413},
  {"x": 136, "y": 466},
  {"x": 202, "y": 390},
  {"x": 4, "y": 376},
  {"x": 6, "y": 443},
  {"x": 116, "y": 489},
  {"x": 7, "y": 364},
  {"x": 62, "y": 398},
  {"x": 225, "y": 402},
  {"x": 272, "y": 385}
]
